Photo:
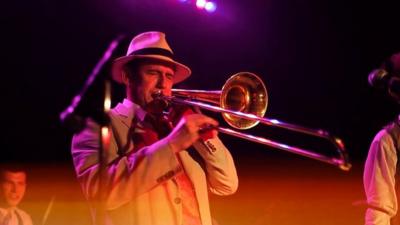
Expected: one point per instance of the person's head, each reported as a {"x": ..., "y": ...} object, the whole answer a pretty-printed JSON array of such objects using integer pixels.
[
  {"x": 144, "y": 77},
  {"x": 149, "y": 66},
  {"x": 13, "y": 185}
]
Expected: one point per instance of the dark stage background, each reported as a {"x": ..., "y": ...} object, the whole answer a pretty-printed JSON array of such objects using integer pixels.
[{"x": 314, "y": 57}]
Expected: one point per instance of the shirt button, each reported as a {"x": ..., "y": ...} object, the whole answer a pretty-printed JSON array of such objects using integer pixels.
[{"x": 177, "y": 200}]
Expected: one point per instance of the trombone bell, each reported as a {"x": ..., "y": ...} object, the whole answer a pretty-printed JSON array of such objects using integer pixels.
[{"x": 244, "y": 92}]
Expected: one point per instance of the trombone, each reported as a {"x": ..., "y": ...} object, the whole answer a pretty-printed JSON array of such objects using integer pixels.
[{"x": 243, "y": 101}]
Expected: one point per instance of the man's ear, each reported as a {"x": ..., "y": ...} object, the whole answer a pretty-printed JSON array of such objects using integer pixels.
[{"x": 125, "y": 77}]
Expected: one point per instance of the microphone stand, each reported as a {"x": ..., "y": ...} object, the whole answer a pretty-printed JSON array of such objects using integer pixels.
[
  {"x": 104, "y": 145},
  {"x": 76, "y": 123},
  {"x": 69, "y": 116}
]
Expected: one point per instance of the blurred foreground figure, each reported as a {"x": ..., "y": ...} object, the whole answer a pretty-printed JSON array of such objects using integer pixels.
[
  {"x": 382, "y": 169},
  {"x": 157, "y": 171},
  {"x": 12, "y": 190}
]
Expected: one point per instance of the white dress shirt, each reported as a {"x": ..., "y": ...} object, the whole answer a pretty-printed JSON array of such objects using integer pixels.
[
  {"x": 14, "y": 216},
  {"x": 379, "y": 180}
]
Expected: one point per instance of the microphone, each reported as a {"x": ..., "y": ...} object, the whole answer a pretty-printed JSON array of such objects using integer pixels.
[
  {"x": 378, "y": 78},
  {"x": 70, "y": 118},
  {"x": 387, "y": 75},
  {"x": 385, "y": 79}
]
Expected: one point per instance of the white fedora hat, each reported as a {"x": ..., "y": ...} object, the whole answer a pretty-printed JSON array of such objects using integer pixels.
[{"x": 151, "y": 45}]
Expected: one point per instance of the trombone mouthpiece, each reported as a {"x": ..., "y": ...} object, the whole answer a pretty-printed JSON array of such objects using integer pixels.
[
  {"x": 157, "y": 94},
  {"x": 159, "y": 103}
]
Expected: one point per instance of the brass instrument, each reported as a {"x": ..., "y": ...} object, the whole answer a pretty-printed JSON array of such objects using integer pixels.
[{"x": 243, "y": 101}]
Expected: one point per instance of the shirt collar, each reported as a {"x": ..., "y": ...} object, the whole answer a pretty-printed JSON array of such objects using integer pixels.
[
  {"x": 136, "y": 109},
  {"x": 9, "y": 209}
]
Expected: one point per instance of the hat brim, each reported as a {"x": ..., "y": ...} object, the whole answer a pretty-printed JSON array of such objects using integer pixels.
[{"x": 181, "y": 71}]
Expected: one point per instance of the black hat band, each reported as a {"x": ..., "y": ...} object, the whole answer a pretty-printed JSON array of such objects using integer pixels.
[{"x": 153, "y": 51}]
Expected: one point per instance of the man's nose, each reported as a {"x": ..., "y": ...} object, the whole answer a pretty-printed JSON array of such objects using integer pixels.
[
  {"x": 14, "y": 188},
  {"x": 161, "y": 82}
]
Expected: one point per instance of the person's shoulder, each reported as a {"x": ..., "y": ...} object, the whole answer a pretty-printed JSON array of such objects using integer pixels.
[
  {"x": 387, "y": 132},
  {"x": 383, "y": 140},
  {"x": 382, "y": 134}
]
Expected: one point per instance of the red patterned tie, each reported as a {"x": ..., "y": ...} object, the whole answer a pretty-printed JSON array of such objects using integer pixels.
[{"x": 142, "y": 133}]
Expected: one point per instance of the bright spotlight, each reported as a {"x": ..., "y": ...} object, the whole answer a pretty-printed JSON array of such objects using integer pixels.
[
  {"x": 201, "y": 4},
  {"x": 210, "y": 7}
]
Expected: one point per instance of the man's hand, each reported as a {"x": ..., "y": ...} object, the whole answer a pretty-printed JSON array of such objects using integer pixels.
[{"x": 187, "y": 131}]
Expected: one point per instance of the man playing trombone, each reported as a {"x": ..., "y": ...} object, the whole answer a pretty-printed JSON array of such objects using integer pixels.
[{"x": 152, "y": 174}]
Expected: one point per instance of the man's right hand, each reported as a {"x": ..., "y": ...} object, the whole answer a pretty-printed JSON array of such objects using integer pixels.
[{"x": 186, "y": 132}]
